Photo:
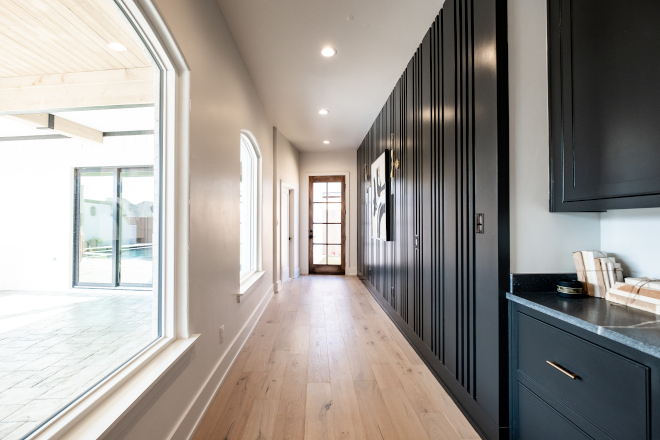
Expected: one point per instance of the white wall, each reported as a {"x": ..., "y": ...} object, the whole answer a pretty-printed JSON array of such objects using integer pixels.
[
  {"x": 224, "y": 101},
  {"x": 36, "y": 189},
  {"x": 633, "y": 237},
  {"x": 343, "y": 161},
  {"x": 541, "y": 241},
  {"x": 287, "y": 171}
]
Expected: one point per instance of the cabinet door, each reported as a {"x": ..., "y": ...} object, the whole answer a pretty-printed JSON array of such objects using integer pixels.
[
  {"x": 610, "y": 390},
  {"x": 536, "y": 420},
  {"x": 604, "y": 61}
]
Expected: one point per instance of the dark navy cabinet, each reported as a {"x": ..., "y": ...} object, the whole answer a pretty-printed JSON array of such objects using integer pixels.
[
  {"x": 604, "y": 62},
  {"x": 571, "y": 383}
]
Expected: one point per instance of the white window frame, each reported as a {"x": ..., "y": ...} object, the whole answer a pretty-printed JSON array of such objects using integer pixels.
[
  {"x": 248, "y": 282},
  {"x": 94, "y": 414}
]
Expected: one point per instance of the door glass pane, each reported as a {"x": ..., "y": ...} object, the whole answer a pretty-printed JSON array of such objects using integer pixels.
[
  {"x": 334, "y": 234},
  {"x": 320, "y": 212},
  {"x": 334, "y": 191},
  {"x": 320, "y": 234},
  {"x": 334, "y": 212},
  {"x": 320, "y": 190},
  {"x": 95, "y": 228},
  {"x": 334, "y": 255},
  {"x": 137, "y": 226},
  {"x": 319, "y": 254}
]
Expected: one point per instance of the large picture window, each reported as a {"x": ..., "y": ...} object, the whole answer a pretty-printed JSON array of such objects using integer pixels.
[
  {"x": 250, "y": 206},
  {"x": 87, "y": 154},
  {"x": 114, "y": 227}
]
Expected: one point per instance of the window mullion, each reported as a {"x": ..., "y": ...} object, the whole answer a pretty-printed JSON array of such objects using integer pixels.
[
  {"x": 116, "y": 229},
  {"x": 76, "y": 227}
]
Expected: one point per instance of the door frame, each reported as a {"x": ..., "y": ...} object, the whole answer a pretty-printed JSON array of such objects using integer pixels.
[
  {"x": 304, "y": 220},
  {"x": 116, "y": 283},
  {"x": 326, "y": 269},
  {"x": 292, "y": 231}
]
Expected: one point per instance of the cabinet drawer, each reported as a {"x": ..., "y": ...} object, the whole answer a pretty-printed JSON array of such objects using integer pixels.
[
  {"x": 539, "y": 421},
  {"x": 609, "y": 390}
]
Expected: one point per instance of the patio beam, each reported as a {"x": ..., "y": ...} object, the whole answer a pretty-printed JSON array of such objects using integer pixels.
[
  {"x": 59, "y": 125},
  {"x": 122, "y": 87}
]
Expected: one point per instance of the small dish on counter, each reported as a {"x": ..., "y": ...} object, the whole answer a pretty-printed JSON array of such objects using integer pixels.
[{"x": 570, "y": 289}]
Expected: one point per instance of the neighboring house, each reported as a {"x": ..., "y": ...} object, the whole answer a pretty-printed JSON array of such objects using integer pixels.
[{"x": 96, "y": 223}]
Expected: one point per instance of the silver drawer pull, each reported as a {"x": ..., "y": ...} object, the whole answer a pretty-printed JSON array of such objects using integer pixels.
[{"x": 563, "y": 370}]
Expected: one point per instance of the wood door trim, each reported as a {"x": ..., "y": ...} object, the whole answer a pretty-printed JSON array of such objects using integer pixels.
[{"x": 322, "y": 268}]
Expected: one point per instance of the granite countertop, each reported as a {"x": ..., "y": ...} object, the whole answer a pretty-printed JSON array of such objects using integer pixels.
[{"x": 635, "y": 328}]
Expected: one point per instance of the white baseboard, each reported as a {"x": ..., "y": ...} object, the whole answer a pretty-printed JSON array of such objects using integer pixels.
[
  {"x": 197, "y": 409},
  {"x": 278, "y": 286},
  {"x": 352, "y": 271},
  {"x": 296, "y": 273}
]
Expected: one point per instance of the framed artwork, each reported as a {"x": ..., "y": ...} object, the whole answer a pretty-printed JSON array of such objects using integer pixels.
[{"x": 380, "y": 189}]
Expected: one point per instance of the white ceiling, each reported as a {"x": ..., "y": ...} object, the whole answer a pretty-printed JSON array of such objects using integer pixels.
[{"x": 281, "y": 41}]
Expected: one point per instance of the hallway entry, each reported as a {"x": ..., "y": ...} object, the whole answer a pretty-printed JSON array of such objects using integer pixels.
[
  {"x": 286, "y": 233},
  {"x": 327, "y": 220},
  {"x": 325, "y": 362}
]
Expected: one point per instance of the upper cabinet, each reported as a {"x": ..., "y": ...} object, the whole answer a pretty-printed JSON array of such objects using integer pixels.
[{"x": 604, "y": 74}]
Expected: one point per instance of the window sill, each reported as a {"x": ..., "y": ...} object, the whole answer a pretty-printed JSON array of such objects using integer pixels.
[
  {"x": 95, "y": 414},
  {"x": 249, "y": 284}
]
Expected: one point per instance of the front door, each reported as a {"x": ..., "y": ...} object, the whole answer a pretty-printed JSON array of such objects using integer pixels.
[{"x": 327, "y": 220}]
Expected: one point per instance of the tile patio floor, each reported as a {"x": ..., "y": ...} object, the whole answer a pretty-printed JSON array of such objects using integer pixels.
[{"x": 55, "y": 346}]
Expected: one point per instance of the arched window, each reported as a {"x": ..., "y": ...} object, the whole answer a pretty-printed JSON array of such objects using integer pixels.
[{"x": 250, "y": 206}]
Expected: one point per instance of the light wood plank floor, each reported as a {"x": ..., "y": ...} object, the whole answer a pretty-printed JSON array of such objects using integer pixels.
[{"x": 326, "y": 362}]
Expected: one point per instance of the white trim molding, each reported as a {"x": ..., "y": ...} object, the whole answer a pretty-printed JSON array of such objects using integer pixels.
[
  {"x": 279, "y": 282},
  {"x": 187, "y": 425},
  {"x": 97, "y": 413},
  {"x": 249, "y": 284}
]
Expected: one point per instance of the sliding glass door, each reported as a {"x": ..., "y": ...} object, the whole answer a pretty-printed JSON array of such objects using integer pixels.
[
  {"x": 114, "y": 227},
  {"x": 95, "y": 227},
  {"x": 136, "y": 227}
]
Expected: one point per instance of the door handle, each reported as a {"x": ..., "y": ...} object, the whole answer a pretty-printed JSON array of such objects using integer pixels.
[
  {"x": 480, "y": 224},
  {"x": 563, "y": 370}
]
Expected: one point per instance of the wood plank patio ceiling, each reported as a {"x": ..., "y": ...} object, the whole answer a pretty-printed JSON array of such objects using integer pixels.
[{"x": 42, "y": 37}]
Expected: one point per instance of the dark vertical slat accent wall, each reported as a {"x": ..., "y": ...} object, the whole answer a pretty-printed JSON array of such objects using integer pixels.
[
  {"x": 450, "y": 190},
  {"x": 426, "y": 243},
  {"x": 417, "y": 191},
  {"x": 406, "y": 174},
  {"x": 441, "y": 282}
]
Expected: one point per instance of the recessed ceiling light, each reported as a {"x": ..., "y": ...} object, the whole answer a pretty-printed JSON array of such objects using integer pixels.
[
  {"x": 329, "y": 51},
  {"x": 117, "y": 46},
  {"x": 323, "y": 112},
  {"x": 326, "y": 142}
]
